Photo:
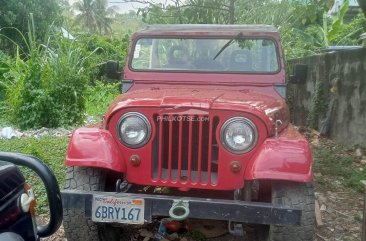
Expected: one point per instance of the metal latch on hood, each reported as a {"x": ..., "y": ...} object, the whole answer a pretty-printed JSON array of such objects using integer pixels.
[{"x": 277, "y": 123}]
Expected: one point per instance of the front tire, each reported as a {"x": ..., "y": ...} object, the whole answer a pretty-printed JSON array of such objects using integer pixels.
[
  {"x": 296, "y": 195},
  {"x": 77, "y": 226}
]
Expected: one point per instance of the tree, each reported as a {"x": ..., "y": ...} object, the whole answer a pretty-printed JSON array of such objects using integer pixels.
[
  {"x": 189, "y": 11},
  {"x": 234, "y": 11},
  {"x": 86, "y": 16},
  {"x": 214, "y": 11},
  {"x": 15, "y": 14},
  {"x": 103, "y": 14},
  {"x": 94, "y": 15},
  {"x": 286, "y": 15}
]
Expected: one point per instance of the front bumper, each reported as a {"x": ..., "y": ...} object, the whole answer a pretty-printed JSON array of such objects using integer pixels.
[{"x": 201, "y": 208}]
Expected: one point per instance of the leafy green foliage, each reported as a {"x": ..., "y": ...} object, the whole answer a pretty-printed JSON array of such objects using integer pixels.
[
  {"x": 51, "y": 150},
  {"x": 190, "y": 11},
  {"x": 4, "y": 68},
  {"x": 338, "y": 21},
  {"x": 65, "y": 81},
  {"x": 320, "y": 31},
  {"x": 322, "y": 35},
  {"x": 46, "y": 85},
  {"x": 27, "y": 101},
  {"x": 14, "y": 14},
  {"x": 349, "y": 34},
  {"x": 105, "y": 49},
  {"x": 46, "y": 88},
  {"x": 99, "y": 98}
]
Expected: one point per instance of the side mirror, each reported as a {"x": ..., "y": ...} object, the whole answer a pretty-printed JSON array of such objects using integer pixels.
[
  {"x": 112, "y": 70},
  {"x": 299, "y": 74},
  {"x": 52, "y": 189}
]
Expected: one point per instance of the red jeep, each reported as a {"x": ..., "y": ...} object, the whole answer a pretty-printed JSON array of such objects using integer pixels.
[{"x": 201, "y": 131}]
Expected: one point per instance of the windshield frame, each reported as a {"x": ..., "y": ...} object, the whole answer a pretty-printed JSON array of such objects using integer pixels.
[{"x": 225, "y": 37}]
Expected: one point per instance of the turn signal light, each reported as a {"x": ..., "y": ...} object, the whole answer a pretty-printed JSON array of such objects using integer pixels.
[
  {"x": 235, "y": 166},
  {"x": 135, "y": 160}
]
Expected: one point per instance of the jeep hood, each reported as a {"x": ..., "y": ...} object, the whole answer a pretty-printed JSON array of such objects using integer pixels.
[{"x": 266, "y": 107}]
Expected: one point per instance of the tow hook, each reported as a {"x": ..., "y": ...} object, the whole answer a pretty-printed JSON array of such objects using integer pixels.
[
  {"x": 122, "y": 186},
  {"x": 179, "y": 210}
]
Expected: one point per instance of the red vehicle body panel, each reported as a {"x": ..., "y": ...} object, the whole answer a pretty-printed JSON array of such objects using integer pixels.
[
  {"x": 286, "y": 158},
  {"x": 268, "y": 108},
  {"x": 222, "y": 95},
  {"x": 96, "y": 148}
]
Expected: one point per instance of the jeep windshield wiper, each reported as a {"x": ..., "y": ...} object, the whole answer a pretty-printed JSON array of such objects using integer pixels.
[{"x": 228, "y": 44}]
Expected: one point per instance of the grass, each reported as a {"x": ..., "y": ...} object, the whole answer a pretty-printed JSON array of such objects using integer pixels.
[
  {"x": 51, "y": 150},
  {"x": 3, "y": 121},
  {"x": 339, "y": 162}
]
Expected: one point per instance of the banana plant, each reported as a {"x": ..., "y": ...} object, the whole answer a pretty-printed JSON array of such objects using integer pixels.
[
  {"x": 323, "y": 35},
  {"x": 337, "y": 23}
]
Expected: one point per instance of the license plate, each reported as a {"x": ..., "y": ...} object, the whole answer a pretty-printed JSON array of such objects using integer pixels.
[{"x": 118, "y": 210}]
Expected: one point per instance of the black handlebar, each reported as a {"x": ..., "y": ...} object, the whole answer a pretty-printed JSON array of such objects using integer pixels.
[{"x": 52, "y": 188}]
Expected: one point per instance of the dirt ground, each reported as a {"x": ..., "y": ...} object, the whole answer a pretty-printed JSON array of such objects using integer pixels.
[{"x": 340, "y": 211}]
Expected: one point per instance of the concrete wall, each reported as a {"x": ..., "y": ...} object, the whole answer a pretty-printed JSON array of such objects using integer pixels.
[{"x": 333, "y": 97}]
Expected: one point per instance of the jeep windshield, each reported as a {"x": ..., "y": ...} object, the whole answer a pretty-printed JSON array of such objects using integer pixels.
[{"x": 237, "y": 54}]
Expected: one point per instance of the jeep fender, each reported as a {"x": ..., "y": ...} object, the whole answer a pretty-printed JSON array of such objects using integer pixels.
[
  {"x": 281, "y": 159},
  {"x": 94, "y": 147}
]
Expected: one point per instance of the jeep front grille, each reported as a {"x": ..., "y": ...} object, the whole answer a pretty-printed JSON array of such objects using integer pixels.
[{"x": 185, "y": 149}]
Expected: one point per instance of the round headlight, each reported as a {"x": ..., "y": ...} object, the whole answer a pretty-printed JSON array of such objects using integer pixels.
[
  {"x": 134, "y": 129},
  {"x": 238, "y": 135}
]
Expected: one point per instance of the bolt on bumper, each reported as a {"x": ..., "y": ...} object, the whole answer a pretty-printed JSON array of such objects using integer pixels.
[{"x": 200, "y": 208}]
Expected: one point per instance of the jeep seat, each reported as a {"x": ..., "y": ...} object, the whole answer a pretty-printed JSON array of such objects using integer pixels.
[
  {"x": 178, "y": 58},
  {"x": 241, "y": 60}
]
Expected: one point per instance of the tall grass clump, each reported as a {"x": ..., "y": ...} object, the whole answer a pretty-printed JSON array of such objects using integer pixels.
[
  {"x": 66, "y": 79},
  {"x": 46, "y": 83},
  {"x": 4, "y": 69}
]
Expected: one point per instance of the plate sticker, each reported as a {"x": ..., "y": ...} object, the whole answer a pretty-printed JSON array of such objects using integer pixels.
[{"x": 136, "y": 54}]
